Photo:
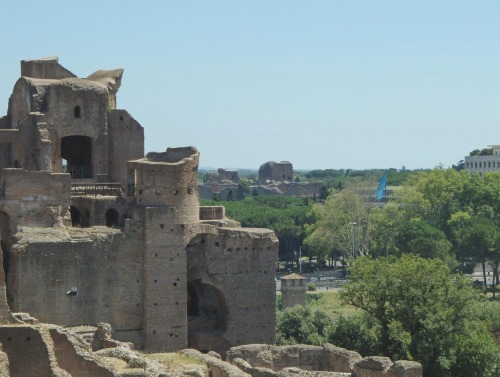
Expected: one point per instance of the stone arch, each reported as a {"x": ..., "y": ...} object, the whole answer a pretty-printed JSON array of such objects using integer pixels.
[
  {"x": 207, "y": 307},
  {"x": 77, "y": 151},
  {"x": 207, "y": 317},
  {"x": 75, "y": 216},
  {"x": 112, "y": 218}
]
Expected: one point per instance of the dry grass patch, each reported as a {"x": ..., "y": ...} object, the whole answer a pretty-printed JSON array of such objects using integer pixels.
[
  {"x": 171, "y": 360},
  {"x": 329, "y": 302}
]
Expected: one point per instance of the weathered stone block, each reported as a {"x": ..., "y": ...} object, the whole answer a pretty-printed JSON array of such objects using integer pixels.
[
  {"x": 374, "y": 366},
  {"x": 405, "y": 368},
  {"x": 339, "y": 359}
]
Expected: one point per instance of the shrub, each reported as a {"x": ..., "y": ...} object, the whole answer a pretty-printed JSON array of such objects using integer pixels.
[{"x": 302, "y": 325}]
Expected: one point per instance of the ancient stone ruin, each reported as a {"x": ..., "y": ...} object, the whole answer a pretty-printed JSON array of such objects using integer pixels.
[
  {"x": 92, "y": 231},
  {"x": 261, "y": 360},
  {"x": 275, "y": 179},
  {"x": 276, "y": 171}
]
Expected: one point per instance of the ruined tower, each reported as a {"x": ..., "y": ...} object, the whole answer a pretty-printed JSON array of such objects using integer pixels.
[
  {"x": 293, "y": 290},
  {"x": 80, "y": 206}
]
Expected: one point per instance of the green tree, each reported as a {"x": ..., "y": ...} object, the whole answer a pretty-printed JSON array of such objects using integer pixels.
[
  {"x": 301, "y": 325},
  {"x": 419, "y": 238},
  {"x": 323, "y": 192},
  {"x": 341, "y": 226},
  {"x": 359, "y": 332},
  {"x": 424, "y": 313},
  {"x": 243, "y": 189},
  {"x": 477, "y": 241}
]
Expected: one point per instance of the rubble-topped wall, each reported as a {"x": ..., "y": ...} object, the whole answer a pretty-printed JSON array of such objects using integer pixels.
[
  {"x": 102, "y": 263},
  {"x": 173, "y": 155},
  {"x": 44, "y": 68},
  {"x": 75, "y": 356},
  {"x": 228, "y": 175},
  {"x": 29, "y": 351},
  {"x": 212, "y": 213},
  {"x": 37, "y": 199},
  {"x": 265, "y": 360},
  {"x": 126, "y": 143}
]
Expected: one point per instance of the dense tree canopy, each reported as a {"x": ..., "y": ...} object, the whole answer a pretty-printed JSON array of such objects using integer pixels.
[{"x": 424, "y": 313}]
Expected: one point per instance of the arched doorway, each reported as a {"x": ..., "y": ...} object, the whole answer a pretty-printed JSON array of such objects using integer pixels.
[
  {"x": 207, "y": 309},
  {"x": 207, "y": 317},
  {"x": 207, "y": 305},
  {"x": 75, "y": 216},
  {"x": 112, "y": 218},
  {"x": 77, "y": 151}
]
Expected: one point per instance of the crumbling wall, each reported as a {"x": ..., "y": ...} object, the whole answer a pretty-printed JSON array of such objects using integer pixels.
[
  {"x": 228, "y": 175},
  {"x": 75, "y": 357},
  {"x": 6, "y": 316},
  {"x": 237, "y": 263},
  {"x": 126, "y": 143},
  {"x": 276, "y": 171},
  {"x": 103, "y": 264},
  {"x": 29, "y": 351},
  {"x": 260, "y": 358},
  {"x": 300, "y": 188},
  {"x": 217, "y": 367},
  {"x": 44, "y": 68},
  {"x": 212, "y": 213},
  {"x": 36, "y": 199}
]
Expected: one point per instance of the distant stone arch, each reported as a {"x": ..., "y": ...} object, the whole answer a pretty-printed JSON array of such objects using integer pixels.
[{"x": 112, "y": 217}]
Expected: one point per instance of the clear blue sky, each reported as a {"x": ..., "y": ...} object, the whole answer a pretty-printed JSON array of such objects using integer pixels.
[{"x": 323, "y": 84}]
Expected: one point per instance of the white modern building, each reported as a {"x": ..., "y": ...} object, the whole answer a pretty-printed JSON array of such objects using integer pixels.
[{"x": 484, "y": 164}]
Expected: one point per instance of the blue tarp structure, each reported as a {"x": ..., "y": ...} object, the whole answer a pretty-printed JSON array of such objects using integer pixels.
[{"x": 379, "y": 193}]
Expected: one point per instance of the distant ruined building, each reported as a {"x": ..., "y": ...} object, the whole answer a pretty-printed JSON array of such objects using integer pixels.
[
  {"x": 275, "y": 178},
  {"x": 276, "y": 171},
  {"x": 82, "y": 209}
]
